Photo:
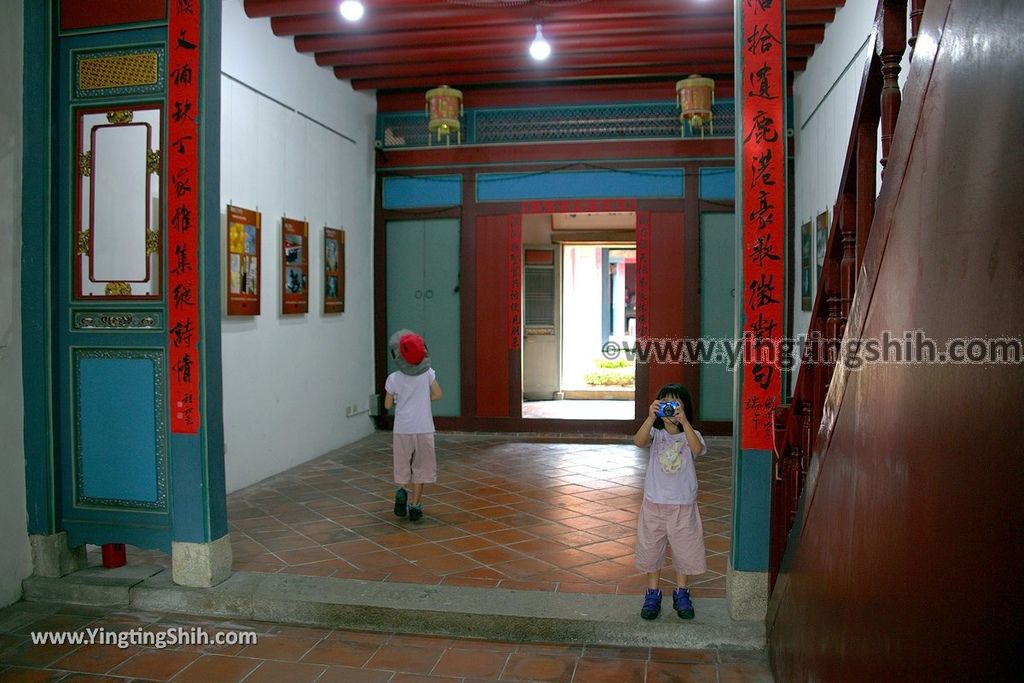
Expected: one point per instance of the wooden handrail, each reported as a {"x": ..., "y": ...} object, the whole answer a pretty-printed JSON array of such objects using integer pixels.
[{"x": 796, "y": 422}]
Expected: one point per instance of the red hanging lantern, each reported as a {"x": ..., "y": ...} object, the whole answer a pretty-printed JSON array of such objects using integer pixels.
[
  {"x": 444, "y": 110},
  {"x": 695, "y": 96}
]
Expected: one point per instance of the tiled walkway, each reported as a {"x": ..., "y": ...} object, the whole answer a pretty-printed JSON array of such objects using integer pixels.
[
  {"x": 304, "y": 655},
  {"x": 511, "y": 511},
  {"x": 514, "y": 511}
]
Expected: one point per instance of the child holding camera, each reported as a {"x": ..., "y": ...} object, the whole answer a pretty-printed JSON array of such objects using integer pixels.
[{"x": 669, "y": 515}]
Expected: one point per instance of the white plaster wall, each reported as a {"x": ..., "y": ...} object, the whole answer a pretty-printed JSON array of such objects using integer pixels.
[
  {"x": 824, "y": 99},
  {"x": 15, "y": 558},
  {"x": 295, "y": 142}
]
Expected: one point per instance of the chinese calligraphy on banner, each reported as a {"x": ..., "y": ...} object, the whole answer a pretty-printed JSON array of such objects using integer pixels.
[
  {"x": 643, "y": 275},
  {"x": 762, "y": 89},
  {"x": 183, "y": 31},
  {"x": 515, "y": 285}
]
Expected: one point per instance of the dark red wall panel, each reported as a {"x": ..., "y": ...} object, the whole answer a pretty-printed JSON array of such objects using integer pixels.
[
  {"x": 492, "y": 320},
  {"x": 906, "y": 561},
  {"x": 667, "y": 296},
  {"x": 77, "y": 14}
]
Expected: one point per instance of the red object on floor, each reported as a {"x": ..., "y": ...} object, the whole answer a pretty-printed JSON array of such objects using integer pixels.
[{"x": 113, "y": 555}]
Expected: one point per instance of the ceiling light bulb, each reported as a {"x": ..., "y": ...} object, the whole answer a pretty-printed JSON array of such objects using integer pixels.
[
  {"x": 352, "y": 10},
  {"x": 540, "y": 49}
]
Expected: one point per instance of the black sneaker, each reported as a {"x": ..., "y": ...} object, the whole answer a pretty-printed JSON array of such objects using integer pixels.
[
  {"x": 682, "y": 604},
  {"x": 652, "y": 604},
  {"x": 401, "y": 498},
  {"x": 415, "y": 513}
]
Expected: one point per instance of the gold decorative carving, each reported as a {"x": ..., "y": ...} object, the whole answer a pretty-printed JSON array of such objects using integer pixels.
[
  {"x": 118, "y": 71},
  {"x": 85, "y": 163},
  {"x": 83, "y": 243},
  {"x": 118, "y": 320},
  {"x": 152, "y": 241},
  {"x": 120, "y": 117},
  {"x": 118, "y": 289},
  {"x": 153, "y": 161}
]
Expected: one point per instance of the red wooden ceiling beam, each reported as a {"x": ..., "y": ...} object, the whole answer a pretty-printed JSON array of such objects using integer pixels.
[
  {"x": 675, "y": 59},
  {"x": 819, "y": 17},
  {"x": 602, "y": 44},
  {"x": 815, "y": 4},
  {"x": 280, "y": 8},
  {"x": 456, "y": 16},
  {"x": 516, "y": 49},
  {"x": 424, "y": 24},
  {"x": 713, "y": 70},
  {"x": 605, "y": 75},
  {"x": 271, "y": 8},
  {"x": 555, "y": 31}
]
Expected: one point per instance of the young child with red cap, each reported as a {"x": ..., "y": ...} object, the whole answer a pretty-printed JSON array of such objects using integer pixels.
[{"x": 409, "y": 391}]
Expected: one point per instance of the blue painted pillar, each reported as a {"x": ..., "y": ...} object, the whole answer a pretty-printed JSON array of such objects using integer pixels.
[{"x": 199, "y": 509}]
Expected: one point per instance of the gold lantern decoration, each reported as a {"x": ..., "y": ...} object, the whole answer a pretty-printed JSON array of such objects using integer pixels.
[
  {"x": 695, "y": 96},
  {"x": 444, "y": 109}
]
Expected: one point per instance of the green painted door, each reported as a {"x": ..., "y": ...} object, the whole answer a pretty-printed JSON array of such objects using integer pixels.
[
  {"x": 717, "y": 301},
  {"x": 423, "y": 295},
  {"x": 110, "y": 383},
  {"x": 115, "y": 450}
]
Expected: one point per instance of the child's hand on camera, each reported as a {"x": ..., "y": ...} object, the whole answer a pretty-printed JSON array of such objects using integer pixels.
[{"x": 652, "y": 411}]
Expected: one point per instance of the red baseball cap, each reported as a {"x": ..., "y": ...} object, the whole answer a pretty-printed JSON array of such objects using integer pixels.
[{"x": 412, "y": 348}]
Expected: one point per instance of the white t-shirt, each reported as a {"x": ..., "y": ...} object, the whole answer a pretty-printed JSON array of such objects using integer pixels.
[
  {"x": 412, "y": 401},
  {"x": 671, "y": 477}
]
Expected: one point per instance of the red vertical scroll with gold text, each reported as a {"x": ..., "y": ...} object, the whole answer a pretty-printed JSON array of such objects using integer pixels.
[
  {"x": 762, "y": 91},
  {"x": 183, "y": 34}
]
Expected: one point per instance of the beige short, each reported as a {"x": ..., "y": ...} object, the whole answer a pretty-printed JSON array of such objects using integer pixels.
[
  {"x": 415, "y": 461},
  {"x": 679, "y": 526}
]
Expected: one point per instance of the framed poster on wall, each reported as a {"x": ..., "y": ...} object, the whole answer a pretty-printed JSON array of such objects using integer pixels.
[
  {"x": 806, "y": 295},
  {"x": 243, "y": 261},
  {"x": 294, "y": 266},
  {"x": 820, "y": 237},
  {"x": 334, "y": 270}
]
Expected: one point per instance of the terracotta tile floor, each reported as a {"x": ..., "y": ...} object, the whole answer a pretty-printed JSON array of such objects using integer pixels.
[
  {"x": 509, "y": 510},
  {"x": 305, "y": 655}
]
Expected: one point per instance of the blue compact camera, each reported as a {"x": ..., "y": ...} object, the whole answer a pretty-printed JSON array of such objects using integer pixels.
[{"x": 667, "y": 409}]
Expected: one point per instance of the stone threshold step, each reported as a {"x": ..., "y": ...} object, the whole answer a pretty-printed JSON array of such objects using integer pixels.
[{"x": 455, "y": 611}]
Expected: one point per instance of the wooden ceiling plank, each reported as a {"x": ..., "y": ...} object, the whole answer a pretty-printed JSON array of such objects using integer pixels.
[
  {"x": 676, "y": 60},
  {"x": 635, "y": 29}
]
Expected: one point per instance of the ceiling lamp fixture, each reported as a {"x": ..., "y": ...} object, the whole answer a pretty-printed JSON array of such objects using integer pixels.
[
  {"x": 351, "y": 10},
  {"x": 444, "y": 110},
  {"x": 540, "y": 49},
  {"x": 695, "y": 96}
]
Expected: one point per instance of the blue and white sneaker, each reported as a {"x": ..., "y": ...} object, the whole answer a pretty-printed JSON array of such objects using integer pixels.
[
  {"x": 652, "y": 604},
  {"x": 682, "y": 604},
  {"x": 401, "y": 498}
]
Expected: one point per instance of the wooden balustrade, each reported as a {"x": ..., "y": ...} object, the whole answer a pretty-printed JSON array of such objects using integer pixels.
[
  {"x": 797, "y": 422},
  {"x": 892, "y": 44}
]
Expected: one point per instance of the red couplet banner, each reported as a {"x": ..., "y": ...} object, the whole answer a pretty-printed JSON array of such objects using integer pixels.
[
  {"x": 515, "y": 284},
  {"x": 763, "y": 95},
  {"x": 182, "y": 155}
]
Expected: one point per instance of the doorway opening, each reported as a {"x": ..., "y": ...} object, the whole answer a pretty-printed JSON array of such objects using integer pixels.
[{"x": 579, "y": 294}]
